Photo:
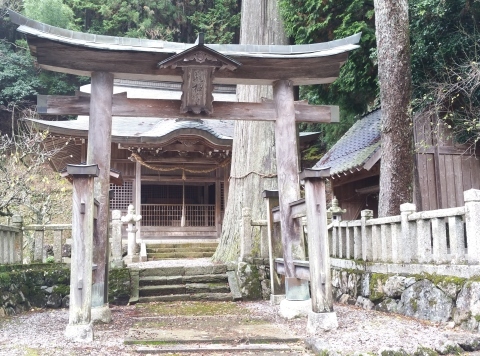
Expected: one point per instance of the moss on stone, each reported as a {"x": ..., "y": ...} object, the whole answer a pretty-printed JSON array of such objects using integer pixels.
[
  {"x": 414, "y": 304},
  {"x": 377, "y": 280},
  {"x": 425, "y": 351},
  {"x": 400, "y": 352},
  {"x": 62, "y": 289},
  {"x": 119, "y": 286}
]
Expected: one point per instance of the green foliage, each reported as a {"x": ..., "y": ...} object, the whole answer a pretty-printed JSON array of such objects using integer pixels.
[
  {"x": 219, "y": 23},
  {"x": 18, "y": 77},
  {"x": 356, "y": 88},
  {"x": 52, "y": 12},
  {"x": 171, "y": 20},
  {"x": 446, "y": 75}
]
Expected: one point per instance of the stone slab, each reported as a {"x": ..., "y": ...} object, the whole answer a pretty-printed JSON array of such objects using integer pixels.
[
  {"x": 213, "y": 348},
  {"x": 321, "y": 322},
  {"x": 79, "y": 332},
  {"x": 102, "y": 314},
  {"x": 234, "y": 288},
  {"x": 212, "y": 331},
  {"x": 290, "y": 309}
]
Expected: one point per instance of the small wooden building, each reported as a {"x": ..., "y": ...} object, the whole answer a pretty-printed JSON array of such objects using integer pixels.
[
  {"x": 175, "y": 172},
  {"x": 443, "y": 168}
]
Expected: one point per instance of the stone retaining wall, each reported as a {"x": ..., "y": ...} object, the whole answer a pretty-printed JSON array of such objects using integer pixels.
[
  {"x": 253, "y": 276},
  {"x": 48, "y": 286},
  {"x": 435, "y": 298}
]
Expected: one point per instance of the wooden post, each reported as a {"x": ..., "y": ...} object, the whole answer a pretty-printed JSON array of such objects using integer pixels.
[
  {"x": 138, "y": 198},
  {"x": 322, "y": 316},
  {"x": 99, "y": 152},
  {"x": 277, "y": 282},
  {"x": 218, "y": 203},
  {"x": 79, "y": 325},
  {"x": 286, "y": 147}
]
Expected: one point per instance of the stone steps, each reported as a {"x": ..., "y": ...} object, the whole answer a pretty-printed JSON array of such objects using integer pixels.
[
  {"x": 177, "y": 255},
  {"x": 180, "y": 250},
  {"x": 184, "y": 283}
]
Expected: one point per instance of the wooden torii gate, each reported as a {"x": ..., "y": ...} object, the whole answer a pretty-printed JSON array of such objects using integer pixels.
[{"x": 198, "y": 67}]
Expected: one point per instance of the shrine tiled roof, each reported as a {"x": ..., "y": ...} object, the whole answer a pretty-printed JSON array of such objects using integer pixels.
[
  {"x": 357, "y": 146},
  {"x": 144, "y": 130}
]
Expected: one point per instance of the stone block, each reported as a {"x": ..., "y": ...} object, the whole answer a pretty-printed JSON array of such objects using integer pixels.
[
  {"x": 424, "y": 301},
  {"x": 320, "y": 322},
  {"x": 364, "y": 303},
  {"x": 290, "y": 309},
  {"x": 101, "y": 314},
  {"x": 79, "y": 332}
]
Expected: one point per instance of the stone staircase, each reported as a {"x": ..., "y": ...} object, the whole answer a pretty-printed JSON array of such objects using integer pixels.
[
  {"x": 186, "y": 283},
  {"x": 166, "y": 251}
]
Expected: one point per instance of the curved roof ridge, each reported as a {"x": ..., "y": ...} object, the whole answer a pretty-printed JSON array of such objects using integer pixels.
[{"x": 29, "y": 26}]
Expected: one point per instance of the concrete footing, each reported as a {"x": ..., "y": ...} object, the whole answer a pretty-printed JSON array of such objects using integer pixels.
[
  {"x": 276, "y": 299},
  {"x": 79, "y": 332},
  {"x": 131, "y": 259},
  {"x": 290, "y": 309},
  {"x": 320, "y": 322},
  {"x": 102, "y": 314}
]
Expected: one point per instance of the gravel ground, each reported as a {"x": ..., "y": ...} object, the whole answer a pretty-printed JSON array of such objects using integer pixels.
[{"x": 40, "y": 332}]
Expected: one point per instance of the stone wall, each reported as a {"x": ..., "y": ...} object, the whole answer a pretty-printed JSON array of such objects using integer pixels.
[
  {"x": 253, "y": 276},
  {"x": 23, "y": 287},
  {"x": 435, "y": 298}
]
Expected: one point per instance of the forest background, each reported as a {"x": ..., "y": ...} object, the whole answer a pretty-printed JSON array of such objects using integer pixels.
[{"x": 445, "y": 68}]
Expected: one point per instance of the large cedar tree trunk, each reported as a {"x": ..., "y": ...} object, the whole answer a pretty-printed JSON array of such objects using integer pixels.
[
  {"x": 396, "y": 172},
  {"x": 253, "y": 166}
]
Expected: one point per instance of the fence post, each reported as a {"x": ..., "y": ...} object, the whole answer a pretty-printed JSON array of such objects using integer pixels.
[
  {"x": 366, "y": 242},
  {"x": 472, "y": 222},
  {"x": 457, "y": 238},
  {"x": 17, "y": 222},
  {"x": 424, "y": 241},
  {"x": 407, "y": 241},
  {"x": 246, "y": 234},
  {"x": 38, "y": 249},
  {"x": 57, "y": 245}
]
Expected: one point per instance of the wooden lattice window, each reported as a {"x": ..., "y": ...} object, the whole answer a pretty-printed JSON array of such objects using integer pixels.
[{"x": 122, "y": 196}]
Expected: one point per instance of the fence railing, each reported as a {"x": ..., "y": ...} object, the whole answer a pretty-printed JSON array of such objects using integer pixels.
[
  {"x": 11, "y": 243},
  {"x": 59, "y": 237},
  {"x": 445, "y": 236},
  {"x": 196, "y": 215}
]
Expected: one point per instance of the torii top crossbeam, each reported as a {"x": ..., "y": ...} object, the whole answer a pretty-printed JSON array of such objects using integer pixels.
[{"x": 79, "y": 53}]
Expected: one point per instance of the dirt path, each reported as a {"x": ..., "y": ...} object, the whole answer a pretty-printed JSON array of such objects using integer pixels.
[{"x": 40, "y": 332}]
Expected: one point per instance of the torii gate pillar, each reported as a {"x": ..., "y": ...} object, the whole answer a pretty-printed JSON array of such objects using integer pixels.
[
  {"x": 286, "y": 146},
  {"x": 99, "y": 152}
]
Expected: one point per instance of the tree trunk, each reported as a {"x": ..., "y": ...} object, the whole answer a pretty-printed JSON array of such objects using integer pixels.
[
  {"x": 393, "y": 46},
  {"x": 253, "y": 166}
]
